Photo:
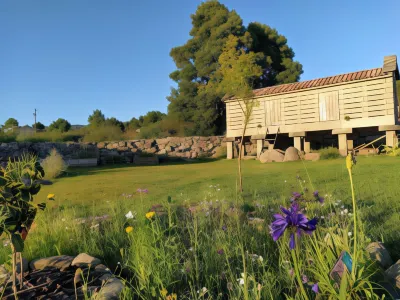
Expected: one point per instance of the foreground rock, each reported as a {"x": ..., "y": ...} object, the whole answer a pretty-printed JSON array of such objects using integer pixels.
[
  {"x": 378, "y": 252},
  {"x": 271, "y": 156},
  {"x": 65, "y": 277},
  {"x": 393, "y": 274},
  {"x": 291, "y": 154}
]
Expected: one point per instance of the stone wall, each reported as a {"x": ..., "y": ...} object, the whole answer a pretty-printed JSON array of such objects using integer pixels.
[{"x": 125, "y": 151}]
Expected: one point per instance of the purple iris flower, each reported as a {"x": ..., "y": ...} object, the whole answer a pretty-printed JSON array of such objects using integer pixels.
[
  {"x": 315, "y": 288},
  {"x": 224, "y": 228},
  {"x": 294, "y": 221},
  {"x": 295, "y": 196},
  {"x": 318, "y": 197},
  {"x": 220, "y": 251}
]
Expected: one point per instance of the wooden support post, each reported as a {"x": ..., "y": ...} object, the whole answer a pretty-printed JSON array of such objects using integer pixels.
[
  {"x": 350, "y": 145},
  {"x": 260, "y": 145},
  {"x": 229, "y": 150},
  {"x": 391, "y": 138},
  {"x": 342, "y": 144},
  {"x": 297, "y": 142}
]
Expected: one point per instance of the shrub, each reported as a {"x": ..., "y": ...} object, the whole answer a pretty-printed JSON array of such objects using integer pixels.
[
  {"x": 50, "y": 136},
  {"x": 60, "y": 125},
  {"x": 392, "y": 151},
  {"x": 103, "y": 133},
  {"x": 53, "y": 164},
  {"x": 329, "y": 153},
  {"x": 221, "y": 152},
  {"x": 7, "y": 137}
]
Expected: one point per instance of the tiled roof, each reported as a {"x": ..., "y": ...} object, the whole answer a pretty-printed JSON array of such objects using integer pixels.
[{"x": 289, "y": 87}]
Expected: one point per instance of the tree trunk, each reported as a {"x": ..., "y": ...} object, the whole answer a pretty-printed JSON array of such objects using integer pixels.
[{"x": 240, "y": 159}]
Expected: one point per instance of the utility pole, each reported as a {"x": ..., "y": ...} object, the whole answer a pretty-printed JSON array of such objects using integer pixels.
[{"x": 34, "y": 114}]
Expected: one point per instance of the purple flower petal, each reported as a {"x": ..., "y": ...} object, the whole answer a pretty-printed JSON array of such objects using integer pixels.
[
  {"x": 292, "y": 242},
  {"x": 315, "y": 288}
]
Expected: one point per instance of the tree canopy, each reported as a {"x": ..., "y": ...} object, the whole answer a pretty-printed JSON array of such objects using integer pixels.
[
  {"x": 114, "y": 122},
  {"x": 60, "y": 125},
  {"x": 96, "y": 118},
  {"x": 194, "y": 99},
  {"x": 39, "y": 126},
  {"x": 11, "y": 122}
]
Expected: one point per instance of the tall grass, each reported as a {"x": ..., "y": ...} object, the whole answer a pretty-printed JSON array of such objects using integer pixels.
[
  {"x": 213, "y": 249},
  {"x": 53, "y": 165},
  {"x": 329, "y": 153}
]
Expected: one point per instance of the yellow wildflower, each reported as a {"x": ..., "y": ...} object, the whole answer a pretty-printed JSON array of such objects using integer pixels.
[
  {"x": 164, "y": 292},
  {"x": 350, "y": 161},
  {"x": 150, "y": 215},
  {"x": 50, "y": 196},
  {"x": 129, "y": 229},
  {"x": 172, "y": 297}
]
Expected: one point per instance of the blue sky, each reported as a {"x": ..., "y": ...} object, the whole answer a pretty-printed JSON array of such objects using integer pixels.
[{"x": 68, "y": 57}]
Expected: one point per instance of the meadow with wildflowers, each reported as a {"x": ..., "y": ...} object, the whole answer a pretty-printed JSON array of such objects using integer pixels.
[{"x": 182, "y": 232}]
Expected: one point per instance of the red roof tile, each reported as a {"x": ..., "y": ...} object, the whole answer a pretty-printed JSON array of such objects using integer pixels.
[{"x": 282, "y": 88}]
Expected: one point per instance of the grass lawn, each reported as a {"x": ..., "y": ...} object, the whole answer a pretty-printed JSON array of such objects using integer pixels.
[
  {"x": 186, "y": 248},
  {"x": 376, "y": 181}
]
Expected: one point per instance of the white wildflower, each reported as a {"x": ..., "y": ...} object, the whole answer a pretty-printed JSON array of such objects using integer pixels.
[
  {"x": 260, "y": 258},
  {"x": 241, "y": 281},
  {"x": 349, "y": 233},
  {"x": 129, "y": 215},
  {"x": 63, "y": 219},
  {"x": 346, "y": 211}
]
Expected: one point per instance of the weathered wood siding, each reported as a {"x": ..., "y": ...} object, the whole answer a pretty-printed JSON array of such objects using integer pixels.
[{"x": 362, "y": 103}]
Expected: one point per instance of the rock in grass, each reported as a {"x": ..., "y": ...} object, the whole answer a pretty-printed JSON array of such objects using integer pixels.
[
  {"x": 312, "y": 156},
  {"x": 61, "y": 262},
  {"x": 111, "y": 289},
  {"x": 291, "y": 154},
  {"x": 393, "y": 274},
  {"x": 83, "y": 260},
  {"x": 271, "y": 156},
  {"x": 378, "y": 252}
]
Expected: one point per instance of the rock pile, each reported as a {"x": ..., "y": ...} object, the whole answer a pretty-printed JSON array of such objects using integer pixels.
[{"x": 64, "y": 277}]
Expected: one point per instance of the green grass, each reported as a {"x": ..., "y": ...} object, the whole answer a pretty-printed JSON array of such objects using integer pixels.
[{"x": 179, "y": 252}]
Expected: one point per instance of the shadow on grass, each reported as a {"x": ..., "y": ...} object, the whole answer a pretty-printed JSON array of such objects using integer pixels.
[{"x": 84, "y": 171}]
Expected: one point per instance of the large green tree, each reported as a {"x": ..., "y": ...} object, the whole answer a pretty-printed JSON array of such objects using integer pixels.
[
  {"x": 11, "y": 122},
  {"x": 115, "y": 122},
  {"x": 60, "y": 125},
  {"x": 97, "y": 118},
  {"x": 194, "y": 100}
]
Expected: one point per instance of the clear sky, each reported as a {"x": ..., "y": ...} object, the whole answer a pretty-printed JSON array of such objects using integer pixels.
[{"x": 68, "y": 57}]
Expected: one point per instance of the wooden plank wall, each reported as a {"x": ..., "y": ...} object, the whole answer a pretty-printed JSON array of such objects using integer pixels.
[{"x": 357, "y": 100}]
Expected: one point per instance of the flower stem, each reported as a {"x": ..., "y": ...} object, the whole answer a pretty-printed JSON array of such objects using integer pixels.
[
  {"x": 297, "y": 271},
  {"x": 353, "y": 269}
]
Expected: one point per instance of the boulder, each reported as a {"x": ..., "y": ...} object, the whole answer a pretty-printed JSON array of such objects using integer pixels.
[
  {"x": 84, "y": 259},
  {"x": 378, "y": 252},
  {"x": 61, "y": 262},
  {"x": 271, "y": 156},
  {"x": 291, "y": 154},
  {"x": 25, "y": 265},
  {"x": 101, "y": 145},
  {"x": 393, "y": 274},
  {"x": 111, "y": 289},
  {"x": 162, "y": 152},
  {"x": 122, "y": 144},
  {"x": 312, "y": 156}
]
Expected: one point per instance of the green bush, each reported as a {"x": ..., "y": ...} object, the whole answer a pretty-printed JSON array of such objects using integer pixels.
[
  {"x": 53, "y": 165},
  {"x": 221, "y": 152},
  {"x": 329, "y": 153},
  {"x": 7, "y": 137},
  {"x": 50, "y": 136},
  {"x": 103, "y": 133}
]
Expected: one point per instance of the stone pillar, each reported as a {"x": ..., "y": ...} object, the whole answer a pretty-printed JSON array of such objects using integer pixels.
[
  {"x": 260, "y": 145},
  {"x": 391, "y": 138},
  {"x": 307, "y": 146},
  {"x": 297, "y": 142},
  {"x": 342, "y": 144},
  {"x": 297, "y": 139},
  {"x": 229, "y": 150},
  {"x": 342, "y": 138}
]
